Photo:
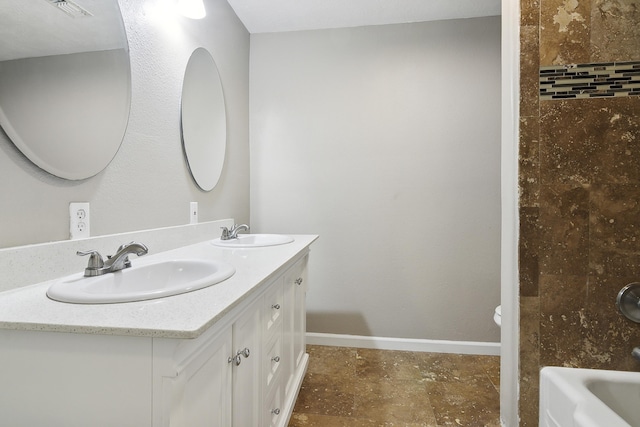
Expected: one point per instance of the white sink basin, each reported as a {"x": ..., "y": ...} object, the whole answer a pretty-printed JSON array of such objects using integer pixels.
[
  {"x": 141, "y": 282},
  {"x": 254, "y": 241},
  {"x": 571, "y": 397}
]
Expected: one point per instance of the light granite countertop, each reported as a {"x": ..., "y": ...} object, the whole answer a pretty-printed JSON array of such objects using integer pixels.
[{"x": 181, "y": 316}]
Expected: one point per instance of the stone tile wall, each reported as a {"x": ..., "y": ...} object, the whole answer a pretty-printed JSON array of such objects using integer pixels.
[{"x": 579, "y": 195}]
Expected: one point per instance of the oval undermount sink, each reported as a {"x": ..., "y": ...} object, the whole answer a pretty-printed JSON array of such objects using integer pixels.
[
  {"x": 254, "y": 241},
  {"x": 141, "y": 282}
]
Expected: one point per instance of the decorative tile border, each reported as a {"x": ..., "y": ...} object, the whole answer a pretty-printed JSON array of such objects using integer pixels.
[{"x": 597, "y": 80}]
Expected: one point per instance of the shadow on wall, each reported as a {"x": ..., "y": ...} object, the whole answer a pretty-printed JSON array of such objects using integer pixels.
[{"x": 352, "y": 323}]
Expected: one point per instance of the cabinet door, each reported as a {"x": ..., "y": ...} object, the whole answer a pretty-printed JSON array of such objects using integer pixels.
[
  {"x": 246, "y": 369},
  {"x": 295, "y": 321},
  {"x": 287, "y": 360},
  {"x": 196, "y": 391},
  {"x": 300, "y": 313},
  {"x": 206, "y": 394}
]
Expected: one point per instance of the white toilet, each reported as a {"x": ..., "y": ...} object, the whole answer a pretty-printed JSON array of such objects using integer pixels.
[{"x": 497, "y": 315}]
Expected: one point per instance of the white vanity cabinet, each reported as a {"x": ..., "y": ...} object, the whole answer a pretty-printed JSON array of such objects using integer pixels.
[
  {"x": 246, "y": 374},
  {"x": 244, "y": 370}
]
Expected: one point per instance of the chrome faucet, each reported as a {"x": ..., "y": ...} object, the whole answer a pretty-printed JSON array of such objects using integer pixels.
[
  {"x": 120, "y": 260},
  {"x": 228, "y": 234}
]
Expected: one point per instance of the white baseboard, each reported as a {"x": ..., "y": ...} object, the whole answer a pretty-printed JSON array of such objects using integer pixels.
[{"x": 405, "y": 344}]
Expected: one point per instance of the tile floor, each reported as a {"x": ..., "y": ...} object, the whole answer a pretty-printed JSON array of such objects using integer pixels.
[{"x": 354, "y": 387}]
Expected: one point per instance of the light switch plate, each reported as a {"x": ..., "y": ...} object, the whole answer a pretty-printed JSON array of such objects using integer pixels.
[{"x": 193, "y": 213}]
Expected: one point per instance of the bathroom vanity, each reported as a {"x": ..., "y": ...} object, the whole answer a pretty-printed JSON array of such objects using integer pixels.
[{"x": 232, "y": 354}]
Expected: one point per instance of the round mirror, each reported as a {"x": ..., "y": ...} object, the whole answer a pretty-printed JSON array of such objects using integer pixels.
[
  {"x": 65, "y": 83},
  {"x": 204, "y": 121}
]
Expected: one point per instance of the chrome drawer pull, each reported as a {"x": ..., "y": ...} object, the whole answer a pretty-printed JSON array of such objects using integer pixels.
[{"x": 237, "y": 359}]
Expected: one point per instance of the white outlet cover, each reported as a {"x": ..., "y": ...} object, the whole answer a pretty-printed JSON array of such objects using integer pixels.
[{"x": 79, "y": 220}]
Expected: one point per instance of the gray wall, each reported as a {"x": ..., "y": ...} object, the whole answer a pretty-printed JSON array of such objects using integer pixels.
[
  {"x": 148, "y": 183},
  {"x": 385, "y": 141}
]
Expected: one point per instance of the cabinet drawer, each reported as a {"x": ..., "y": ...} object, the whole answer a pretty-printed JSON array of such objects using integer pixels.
[
  {"x": 274, "y": 415},
  {"x": 273, "y": 308},
  {"x": 273, "y": 360}
]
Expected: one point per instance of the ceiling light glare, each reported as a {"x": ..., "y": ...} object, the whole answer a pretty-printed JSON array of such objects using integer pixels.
[{"x": 193, "y": 9}]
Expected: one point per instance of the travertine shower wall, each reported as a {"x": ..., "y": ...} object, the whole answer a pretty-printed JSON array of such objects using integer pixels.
[{"x": 579, "y": 193}]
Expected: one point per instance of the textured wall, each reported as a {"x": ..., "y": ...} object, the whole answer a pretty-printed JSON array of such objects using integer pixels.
[
  {"x": 148, "y": 184},
  {"x": 381, "y": 140},
  {"x": 579, "y": 195}
]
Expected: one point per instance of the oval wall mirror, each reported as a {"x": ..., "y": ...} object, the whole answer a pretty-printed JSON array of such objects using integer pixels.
[
  {"x": 65, "y": 83},
  {"x": 204, "y": 120}
]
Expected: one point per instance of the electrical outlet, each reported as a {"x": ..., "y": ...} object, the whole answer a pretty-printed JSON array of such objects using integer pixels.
[
  {"x": 79, "y": 221},
  {"x": 193, "y": 213}
]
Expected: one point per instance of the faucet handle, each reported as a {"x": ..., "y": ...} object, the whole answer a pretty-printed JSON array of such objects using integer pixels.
[
  {"x": 95, "y": 262},
  {"x": 225, "y": 233}
]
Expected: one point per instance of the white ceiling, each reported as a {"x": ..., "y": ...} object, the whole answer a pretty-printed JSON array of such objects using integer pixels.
[
  {"x": 37, "y": 28},
  {"x": 267, "y": 16}
]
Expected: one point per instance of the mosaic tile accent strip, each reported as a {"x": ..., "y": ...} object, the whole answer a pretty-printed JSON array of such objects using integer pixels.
[{"x": 597, "y": 80}]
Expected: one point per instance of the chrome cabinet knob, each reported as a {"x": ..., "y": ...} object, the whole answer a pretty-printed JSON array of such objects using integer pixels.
[
  {"x": 276, "y": 306},
  {"x": 298, "y": 281},
  {"x": 276, "y": 359},
  {"x": 276, "y": 411},
  {"x": 237, "y": 359}
]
